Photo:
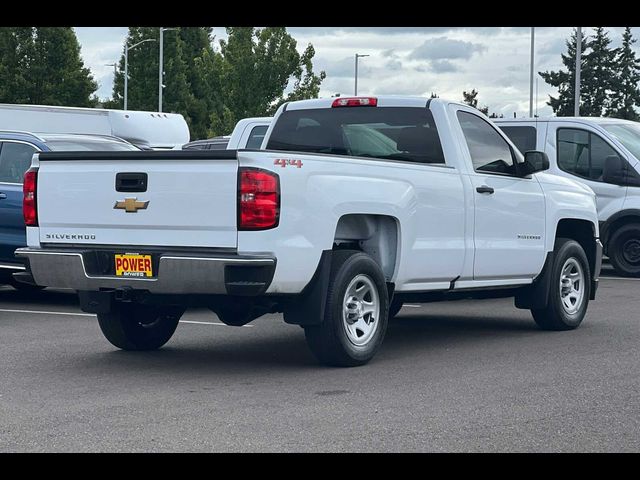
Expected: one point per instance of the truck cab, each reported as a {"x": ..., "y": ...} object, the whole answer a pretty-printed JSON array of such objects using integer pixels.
[
  {"x": 603, "y": 154},
  {"x": 248, "y": 133}
]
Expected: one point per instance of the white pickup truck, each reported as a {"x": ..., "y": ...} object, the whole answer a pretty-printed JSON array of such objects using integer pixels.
[{"x": 351, "y": 205}]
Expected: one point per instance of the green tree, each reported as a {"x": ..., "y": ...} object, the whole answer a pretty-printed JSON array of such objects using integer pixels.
[
  {"x": 598, "y": 75},
  {"x": 565, "y": 81},
  {"x": 42, "y": 65},
  {"x": 257, "y": 67},
  {"x": 626, "y": 93}
]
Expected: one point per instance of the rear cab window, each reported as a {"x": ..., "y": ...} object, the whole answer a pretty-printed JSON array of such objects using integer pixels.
[{"x": 389, "y": 133}]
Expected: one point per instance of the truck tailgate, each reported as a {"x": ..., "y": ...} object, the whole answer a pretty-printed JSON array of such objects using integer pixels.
[{"x": 189, "y": 198}]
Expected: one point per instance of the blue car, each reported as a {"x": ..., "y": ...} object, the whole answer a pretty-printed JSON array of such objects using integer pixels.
[{"x": 16, "y": 150}]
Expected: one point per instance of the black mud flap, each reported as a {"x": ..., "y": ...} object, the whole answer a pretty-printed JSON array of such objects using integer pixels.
[
  {"x": 536, "y": 295},
  {"x": 307, "y": 308}
]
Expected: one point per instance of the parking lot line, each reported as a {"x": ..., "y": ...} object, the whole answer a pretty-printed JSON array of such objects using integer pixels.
[
  {"x": 411, "y": 305},
  {"x": 43, "y": 312},
  {"x": 47, "y": 313},
  {"x": 620, "y": 278}
]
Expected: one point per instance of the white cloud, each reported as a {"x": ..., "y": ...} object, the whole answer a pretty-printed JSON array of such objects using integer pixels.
[{"x": 404, "y": 60}]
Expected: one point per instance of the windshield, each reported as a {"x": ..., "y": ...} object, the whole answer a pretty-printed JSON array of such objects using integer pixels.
[
  {"x": 628, "y": 134},
  {"x": 88, "y": 145}
]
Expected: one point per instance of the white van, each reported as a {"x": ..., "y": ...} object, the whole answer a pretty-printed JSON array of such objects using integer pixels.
[
  {"x": 147, "y": 130},
  {"x": 604, "y": 154}
]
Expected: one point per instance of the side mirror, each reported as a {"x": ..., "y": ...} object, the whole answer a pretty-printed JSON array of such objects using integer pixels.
[
  {"x": 534, "y": 161},
  {"x": 614, "y": 171}
]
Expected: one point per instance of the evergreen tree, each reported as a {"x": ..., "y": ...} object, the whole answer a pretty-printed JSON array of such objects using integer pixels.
[
  {"x": 42, "y": 65},
  {"x": 565, "y": 81},
  {"x": 598, "y": 75},
  {"x": 626, "y": 93},
  {"x": 470, "y": 98}
]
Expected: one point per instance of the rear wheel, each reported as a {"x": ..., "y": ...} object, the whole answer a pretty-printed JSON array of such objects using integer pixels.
[
  {"x": 570, "y": 288},
  {"x": 132, "y": 326},
  {"x": 356, "y": 312},
  {"x": 624, "y": 250}
]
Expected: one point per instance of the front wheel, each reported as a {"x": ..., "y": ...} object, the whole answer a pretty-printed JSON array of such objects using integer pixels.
[
  {"x": 570, "y": 288},
  {"x": 624, "y": 250},
  {"x": 356, "y": 312},
  {"x": 132, "y": 326}
]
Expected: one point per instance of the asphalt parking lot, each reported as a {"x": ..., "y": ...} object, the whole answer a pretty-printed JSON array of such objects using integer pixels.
[{"x": 454, "y": 376}]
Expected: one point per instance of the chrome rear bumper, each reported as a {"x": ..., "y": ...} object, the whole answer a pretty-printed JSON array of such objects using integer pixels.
[{"x": 176, "y": 273}]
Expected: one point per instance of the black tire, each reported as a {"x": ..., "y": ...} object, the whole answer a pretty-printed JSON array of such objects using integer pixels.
[
  {"x": 395, "y": 307},
  {"x": 329, "y": 341},
  {"x": 555, "y": 316},
  {"x": 623, "y": 250},
  {"x": 131, "y": 326}
]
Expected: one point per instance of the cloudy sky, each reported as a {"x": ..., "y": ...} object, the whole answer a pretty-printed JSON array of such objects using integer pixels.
[{"x": 403, "y": 60}]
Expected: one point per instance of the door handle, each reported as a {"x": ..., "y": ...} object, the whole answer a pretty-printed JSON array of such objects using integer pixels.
[
  {"x": 3, "y": 196},
  {"x": 484, "y": 189}
]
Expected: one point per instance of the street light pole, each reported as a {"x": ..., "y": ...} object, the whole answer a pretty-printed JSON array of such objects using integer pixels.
[
  {"x": 576, "y": 104},
  {"x": 160, "y": 68},
  {"x": 126, "y": 68},
  {"x": 533, "y": 29},
  {"x": 356, "y": 73}
]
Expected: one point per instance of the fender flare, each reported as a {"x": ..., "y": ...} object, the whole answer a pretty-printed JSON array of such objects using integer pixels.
[{"x": 606, "y": 225}]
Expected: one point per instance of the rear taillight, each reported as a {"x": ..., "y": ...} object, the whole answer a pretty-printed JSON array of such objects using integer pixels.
[
  {"x": 258, "y": 199},
  {"x": 29, "y": 207},
  {"x": 355, "y": 102}
]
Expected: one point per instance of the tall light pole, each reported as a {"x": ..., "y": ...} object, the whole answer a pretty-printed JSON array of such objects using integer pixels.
[
  {"x": 160, "y": 68},
  {"x": 533, "y": 34},
  {"x": 126, "y": 67},
  {"x": 576, "y": 105},
  {"x": 356, "y": 83}
]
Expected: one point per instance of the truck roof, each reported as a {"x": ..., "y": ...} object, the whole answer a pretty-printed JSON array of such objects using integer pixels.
[
  {"x": 149, "y": 129},
  {"x": 596, "y": 120},
  {"x": 383, "y": 101}
]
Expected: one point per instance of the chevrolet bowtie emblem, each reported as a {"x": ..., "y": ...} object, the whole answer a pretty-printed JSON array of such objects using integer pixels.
[{"x": 131, "y": 205}]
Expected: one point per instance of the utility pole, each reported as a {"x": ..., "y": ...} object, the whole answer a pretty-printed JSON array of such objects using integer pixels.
[{"x": 576, "y": 105}]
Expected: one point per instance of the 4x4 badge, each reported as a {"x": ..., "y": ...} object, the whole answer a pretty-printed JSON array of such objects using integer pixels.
[{"x": 131, "y": 205}]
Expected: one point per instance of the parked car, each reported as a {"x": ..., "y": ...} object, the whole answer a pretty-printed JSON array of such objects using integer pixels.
[
  {"x": 602, "y": 153},
  {"x": 248, "y": 133},
  {"x": 354, "y": 203},
  {"x": 16, "y": 150},
  {"x": 146, "y": 130}
]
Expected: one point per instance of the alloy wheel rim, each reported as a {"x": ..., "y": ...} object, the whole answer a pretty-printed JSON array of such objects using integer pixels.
[
  {"x": 572, "y": 286},
  {"x": 361, "y": 310}
]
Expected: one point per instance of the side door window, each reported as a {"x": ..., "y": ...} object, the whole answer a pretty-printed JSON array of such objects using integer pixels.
[
  {"x": 15, "y": 159},
  {"x": 490, "y": 153},
  {"x": 582, "y": 153}
]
